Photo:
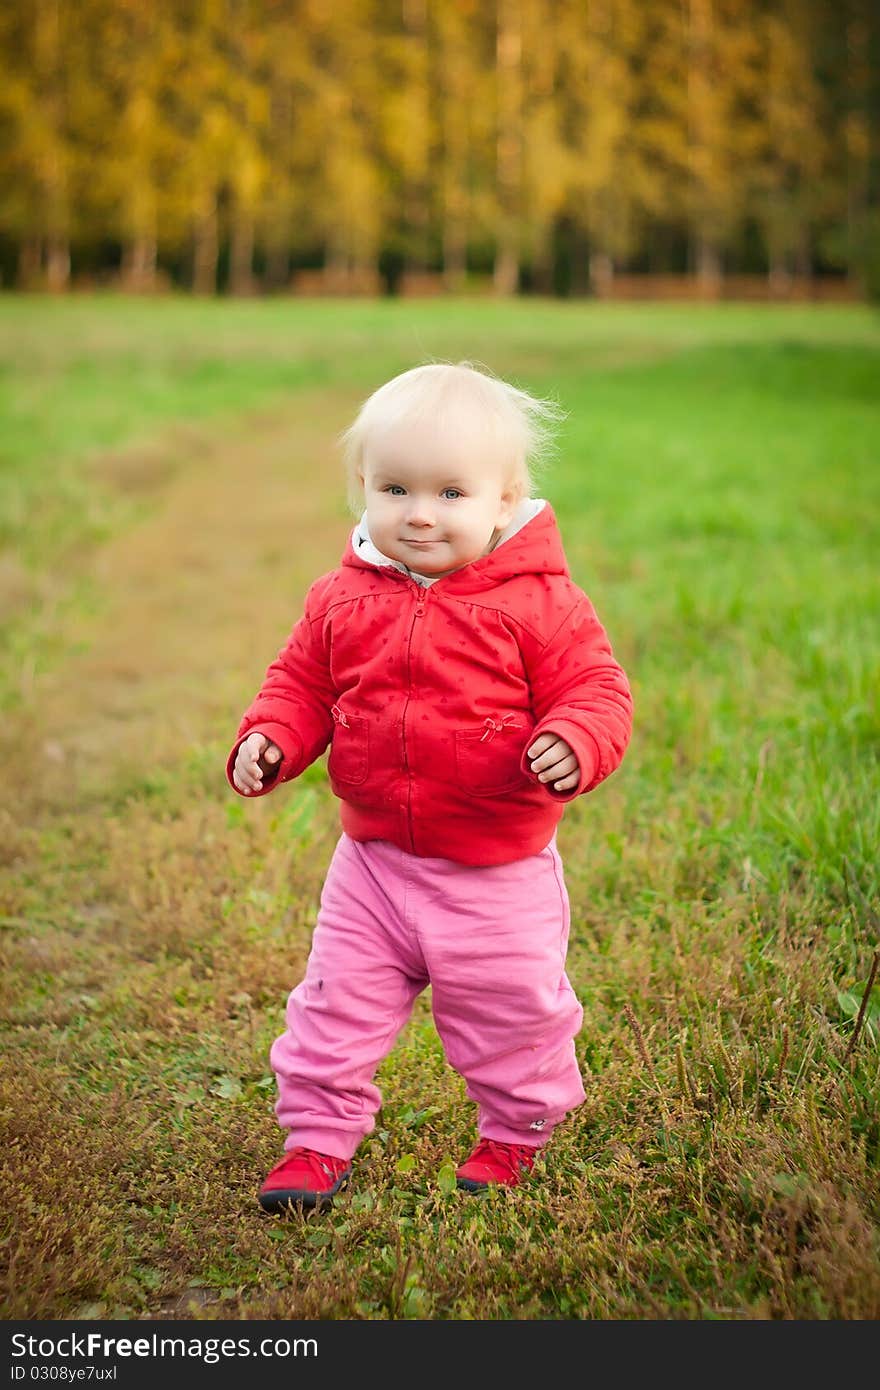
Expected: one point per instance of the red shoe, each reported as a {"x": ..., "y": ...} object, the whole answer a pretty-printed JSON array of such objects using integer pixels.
[
  {"x": 494, "y": 1162},
  {"x": 304, "y": 1177}
]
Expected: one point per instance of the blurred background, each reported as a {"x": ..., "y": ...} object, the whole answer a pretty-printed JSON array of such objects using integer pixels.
[{"x": 616, "y": 148}]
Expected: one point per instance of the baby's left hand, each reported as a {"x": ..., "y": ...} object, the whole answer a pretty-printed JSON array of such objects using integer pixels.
[{"x": 553, "y": 761}]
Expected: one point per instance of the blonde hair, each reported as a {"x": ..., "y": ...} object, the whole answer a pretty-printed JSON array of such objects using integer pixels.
[{"x": 523, "y": 424}]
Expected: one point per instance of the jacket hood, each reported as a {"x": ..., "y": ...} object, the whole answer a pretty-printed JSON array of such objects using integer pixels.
[{"x": 530, "y": 547}]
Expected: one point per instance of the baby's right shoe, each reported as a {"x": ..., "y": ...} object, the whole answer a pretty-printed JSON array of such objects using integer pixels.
[{"x": 304, "y": 1178}]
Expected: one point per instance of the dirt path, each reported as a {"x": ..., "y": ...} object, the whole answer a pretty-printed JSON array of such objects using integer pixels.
[
  {"x": 199, "y": 599},
  {"x": 146, "y": 941}
]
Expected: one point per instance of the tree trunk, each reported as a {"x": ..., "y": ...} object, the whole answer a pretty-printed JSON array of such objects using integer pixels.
[
  {"x": 858, "y": 151},
  {"x": 778, "y": 275},
  {"x": 241, "y": 262},
  {"x": 53, "y": 166},
  {"x": 706, "y": 260},
  {"x": 139, "y": 263},
  {"x": 601, "y": 274},
  {"x": 506, "y": 273},
  {"x": 416, "y": 196},
  {"x": 454, "y": 250},
  {"x": 206, "y": 248},
  {"x": 508, "y": 158},
  {"x": 455, "y": 154},
  {"x": 336, "y": 262},
  {"x": 57, "y": 263},
  {"x": 708, "y": 268},
  {"x": 281, "y": 135}
]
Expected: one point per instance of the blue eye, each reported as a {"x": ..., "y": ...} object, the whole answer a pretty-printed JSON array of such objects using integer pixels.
[
  {"x": 396, "y": 490},
  {"x": 453, "y": 490}
]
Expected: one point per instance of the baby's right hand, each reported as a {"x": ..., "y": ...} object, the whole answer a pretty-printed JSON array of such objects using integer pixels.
[{"x": 247, "y": 774}]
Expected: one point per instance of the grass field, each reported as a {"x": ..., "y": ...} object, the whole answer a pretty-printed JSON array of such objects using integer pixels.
[{"x": 168, "y": 488}]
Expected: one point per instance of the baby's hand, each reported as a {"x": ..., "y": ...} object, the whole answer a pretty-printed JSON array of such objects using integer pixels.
[
  {"x": 247, "y": 774},
  {"x": 554, "y": 761}
]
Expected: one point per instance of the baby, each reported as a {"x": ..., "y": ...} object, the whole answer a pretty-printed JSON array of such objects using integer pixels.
[{"x": 468, "y": 692}]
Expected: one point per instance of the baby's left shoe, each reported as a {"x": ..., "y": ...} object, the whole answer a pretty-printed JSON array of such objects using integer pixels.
[{"x": 495, "y": 1164}]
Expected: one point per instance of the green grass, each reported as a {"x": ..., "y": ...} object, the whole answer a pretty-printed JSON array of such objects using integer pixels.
[{"x": 718, "y": 488}]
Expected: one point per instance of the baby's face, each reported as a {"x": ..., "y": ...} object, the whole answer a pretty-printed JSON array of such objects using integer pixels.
[{"x": 434, "y": 502}]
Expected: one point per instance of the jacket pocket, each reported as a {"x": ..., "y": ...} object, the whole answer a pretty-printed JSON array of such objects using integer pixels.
[
  {"x": 349, "y": 759},
  {"x": 487, "y": 760}
]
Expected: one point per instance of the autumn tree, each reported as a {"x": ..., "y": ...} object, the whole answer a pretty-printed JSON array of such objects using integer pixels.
[{"x": 375, "y": 137}]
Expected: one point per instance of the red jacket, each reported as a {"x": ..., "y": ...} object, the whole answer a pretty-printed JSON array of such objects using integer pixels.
[{"x": 430, "y": 698}]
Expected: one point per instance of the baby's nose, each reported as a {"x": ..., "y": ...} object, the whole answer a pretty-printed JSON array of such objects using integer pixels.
[{"x": 421, "y": 513}]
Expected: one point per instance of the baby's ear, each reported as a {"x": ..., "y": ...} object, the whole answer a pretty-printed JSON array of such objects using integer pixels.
[
  {"x": 356, "y": 492},
  {"x": 510, "y": 500}
]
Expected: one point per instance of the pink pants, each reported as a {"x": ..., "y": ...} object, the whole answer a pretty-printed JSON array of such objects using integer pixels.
[{"x": 490, "y": 941}]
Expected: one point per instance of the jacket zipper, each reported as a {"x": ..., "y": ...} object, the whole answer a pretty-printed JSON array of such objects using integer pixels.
[{"x": 417, "y": 613}]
